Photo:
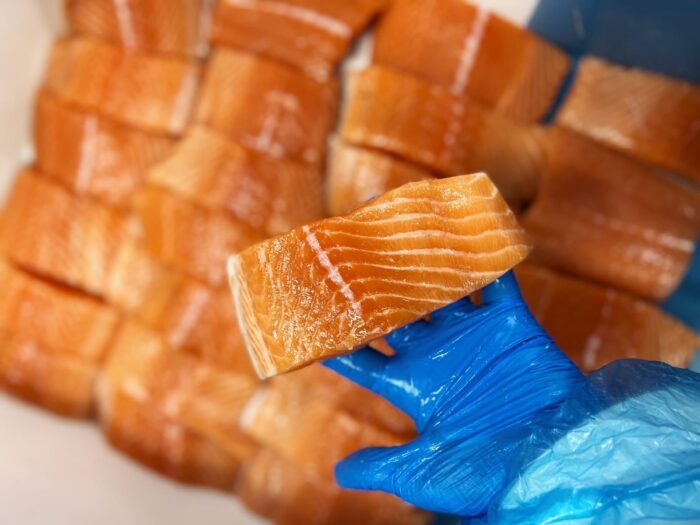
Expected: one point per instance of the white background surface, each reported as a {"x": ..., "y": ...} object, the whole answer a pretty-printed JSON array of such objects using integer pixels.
[{"x": 55, "y": 471}]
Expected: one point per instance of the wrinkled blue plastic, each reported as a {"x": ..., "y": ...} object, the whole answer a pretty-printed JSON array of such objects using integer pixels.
[{"x": 474, "y": 379}]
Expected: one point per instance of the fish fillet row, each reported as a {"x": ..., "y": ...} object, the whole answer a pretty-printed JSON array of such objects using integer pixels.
[
  {"x": 356, "y": 175},
  {"x": 188, "y": 237},
  {"x": 450, "y": 134},
  {"x": 287, "y": 494},
  {"x": 267, "y": 106},
  {"x": 595, "y": 324},
  {"x": 646, "y": 115},
  {"x": 58, "y": 235},
  {"x": 310, "y": 35},
  {"x": 606, "y": 217},
  {"x": 176, "y": 27},
  {"x": 468, "y": 50},
  {"x": 331, "y": 286},
  {"x": 148, "y": 92},
  {"x": 267, "y": 194},
  {"x": 90, "y": 154}
]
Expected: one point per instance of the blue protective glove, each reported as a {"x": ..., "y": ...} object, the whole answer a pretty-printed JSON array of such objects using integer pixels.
[{"x": 475, "y": 380}]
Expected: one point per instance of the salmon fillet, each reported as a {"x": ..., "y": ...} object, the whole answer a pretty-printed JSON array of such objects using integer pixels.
[
  {"x": 145, "y": 91},
  {"x": 180, "y": 388},
  {"x": 60, "y": 236},
  {"x": 471, "y": 51},
  {"x": 92, "y": 155},
  {"x": 450, "y": 134},
  {"x": 280, "y": 490},
  {"x": 57, "y": 381},
  {"x": 162, "y": 26},
  {"x": 266, "y": 194},
  {"x": 356, "y": 175},
  {"x": 267, "y": 106},
  {"x": 310, "y": 35},
  {"x": 190, "y": 238},
  {"x": 53, "y": 316},
  {"x": 646, "y": 115},
  {"x": 595, "y": 325},
  {"x": 606, "y": 217},
  {"x": 332, "y": 286}
]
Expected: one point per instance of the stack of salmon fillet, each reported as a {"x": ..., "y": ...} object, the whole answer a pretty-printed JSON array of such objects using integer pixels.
[{"x": 172, "y": 134}]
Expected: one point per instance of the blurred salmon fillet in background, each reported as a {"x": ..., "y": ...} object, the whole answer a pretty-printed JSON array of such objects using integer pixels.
[
  {"x": 310, "y": 35},
  {"x": 469, "y": 50}
]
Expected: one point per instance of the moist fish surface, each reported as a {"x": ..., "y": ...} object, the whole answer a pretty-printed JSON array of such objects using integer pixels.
[
  {"x": 272, "y": 195},
  {"x": 331, "y": 286},
  {"x": 93, "y": 155},
  {"x": 450, "y": 134},
  {"x": 605, "y": 217},
  {"x": 469, "y": 50},
  {"x": 176, "y": 27},
  {"x": 646, "y": 115},
  {"x": 596, "y": 325}
]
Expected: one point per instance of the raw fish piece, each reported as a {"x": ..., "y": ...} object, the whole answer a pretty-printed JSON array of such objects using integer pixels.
[
  {"x": 357, "y": 175},
  {"x": 179, "y": 387},
  {"x": 595, "y": 325},
  {"x": 606, "y": 217},
  {"x": 90, "y": 154},
  {"x": 58, "y": 381},
  {"x": 61, "y": 236},
  {"x": 471, "y": 51},
  {"x": 190, "y": 238},
  {"x": 311, "y": 35},
  {"x": 646, "y": 115},
  {"x": 289, "y": 421},
  {"x": 216, "y": 172},
  {"x": 145, "y": 91},
  {"x": 451, "y": 134},
  {"x": 332, "y": 286},
  {"x": 53, "y": 316},
  {"x": 139, "y": 431},
  {"x": 267, "y": 106},
  {"x": 164, "y": 26}
]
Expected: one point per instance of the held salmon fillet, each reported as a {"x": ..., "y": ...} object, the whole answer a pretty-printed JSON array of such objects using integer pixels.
[
  {"x": 58, "y": 381},
  {"x": 288, "y": 494},
  {"x": 311, "y": 35},
  {"x": 332, "y": 286},
  {"x": 648, "y": 116},
  {"x": 179, "y": 387},
  {"x": 163, "y": 26},
  {"x": 145, "y": 91},
  {"x": 267, "y": 106},
  {"x": 595, "y": 325},
  {"x": 471, "y": 51},
  {"x": 190, "y": 238},
  {"x": 606, "y": 217},
  {"x": 90, "y": 154},
  {"x": 357, "y": 175},
  {"x": 451, "y": 134},
  {"x": 60, "y": 236},
  {"x": 267, "y": 194}
]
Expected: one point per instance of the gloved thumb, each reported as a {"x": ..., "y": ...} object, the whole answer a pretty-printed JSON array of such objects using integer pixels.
[{"x": 376, "y": 468}]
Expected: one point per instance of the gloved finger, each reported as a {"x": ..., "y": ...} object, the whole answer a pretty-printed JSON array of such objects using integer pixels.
[
  {"x": 376, "y": 468},
  {"x": 503, "y": 288},
  {"x": 364, "y": 367}
]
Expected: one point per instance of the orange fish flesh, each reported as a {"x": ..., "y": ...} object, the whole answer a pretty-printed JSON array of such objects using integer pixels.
[{"x": 334, "y": 285}]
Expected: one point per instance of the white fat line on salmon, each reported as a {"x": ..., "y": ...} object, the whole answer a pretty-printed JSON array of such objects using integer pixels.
[
  {"x": 333, "y": 273},
  {"x": 133, "y": 388},
  {"x": 302, "y": 14},
  {"x": 594, "y": 341},
  {"x": 430, "y": 234},
  {"x": 606, "y": 135},
  {"x": 88, "y": 146},
  {"x": 189, "y": 319},
  {"x": 400, "y": 219},
  {"x": 472, "y": 43},
  {"x": 184, "y": 98},
  {"x": 251, "y": 408},
  {"x": 278, "y": 104},
  {"x": 430, "y": 251},
  {"x": 248, "y": 322},
  {"x": 125, "y": 23},
  {"x": 204, "y": 27}
]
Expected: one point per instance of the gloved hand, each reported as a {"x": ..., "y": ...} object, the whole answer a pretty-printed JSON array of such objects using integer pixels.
[{"x": 475, "y": 380}]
